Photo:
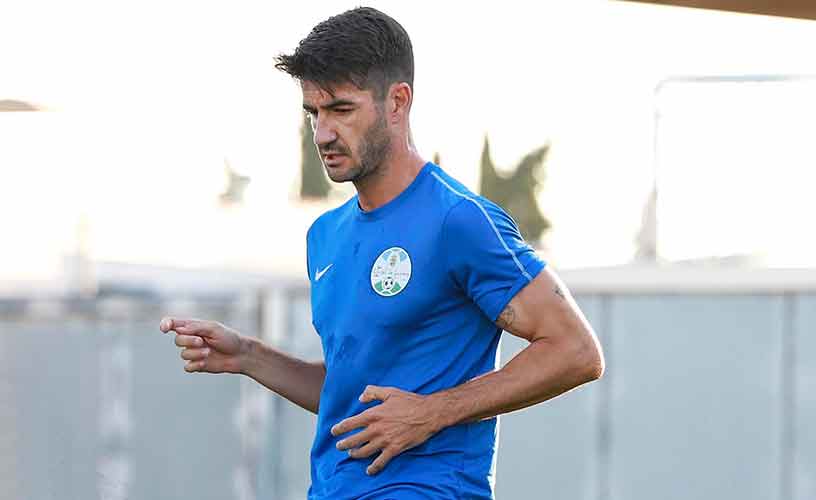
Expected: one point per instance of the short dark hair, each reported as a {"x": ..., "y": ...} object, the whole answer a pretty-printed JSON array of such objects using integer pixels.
[{"x": 362, "y": 46}]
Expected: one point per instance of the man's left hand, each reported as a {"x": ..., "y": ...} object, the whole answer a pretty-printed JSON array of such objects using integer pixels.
[{"x": 403, "y": 420}]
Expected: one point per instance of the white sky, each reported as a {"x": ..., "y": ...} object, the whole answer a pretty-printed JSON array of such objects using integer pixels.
[{"x": 149, "y": 97}]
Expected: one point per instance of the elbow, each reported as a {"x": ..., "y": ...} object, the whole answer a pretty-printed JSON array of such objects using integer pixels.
[
  {"x": 596, "y": 367},
  {"x": 591, "y": 362}
]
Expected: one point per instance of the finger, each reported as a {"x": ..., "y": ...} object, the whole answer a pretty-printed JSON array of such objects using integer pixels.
[
  {"x": 169, "y": 323},
  {"x": 355, "y": 440},
  {"x": 196, "y": 327},
  {"x": 366, "y": 451},
  {"x": 374, "y": 393},
  {"x": 189, "y": 341},
  {"x": 378, "y": 464},
  {"x": 195, "y": 354},
  {"x": 194, "y": 366},
  {"x": 351, "y": 423}
]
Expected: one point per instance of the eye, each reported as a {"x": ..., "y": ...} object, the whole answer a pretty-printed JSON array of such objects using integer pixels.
[{"x": 343, "y": 111}]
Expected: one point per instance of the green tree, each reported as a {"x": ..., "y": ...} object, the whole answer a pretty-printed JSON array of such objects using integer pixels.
[
  {"x": 313, "y": 181},
  {"x": 516, "y": 192}
]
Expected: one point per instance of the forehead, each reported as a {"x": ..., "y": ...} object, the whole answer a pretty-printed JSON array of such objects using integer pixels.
[{"x": 316, "y": 96}]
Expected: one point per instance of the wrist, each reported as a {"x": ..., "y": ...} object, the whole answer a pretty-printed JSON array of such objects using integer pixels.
[
  {"x": 443, "y": 411},
  {"x": 246, "y": 354}
]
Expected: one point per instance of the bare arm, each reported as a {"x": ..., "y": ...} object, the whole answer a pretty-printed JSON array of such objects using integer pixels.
[
  {"x": 209, "y": 346},
  {"x": 563, "y": 354},
  {"x": 297, "y": 380}
]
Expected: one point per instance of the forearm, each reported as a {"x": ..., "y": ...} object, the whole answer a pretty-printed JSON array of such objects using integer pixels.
[
  {"x": 297, "y": 380},
  {"x": 540, "y": 372}
]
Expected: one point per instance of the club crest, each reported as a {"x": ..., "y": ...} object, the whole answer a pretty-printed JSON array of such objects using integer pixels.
[{"x": 391, "y": 272}]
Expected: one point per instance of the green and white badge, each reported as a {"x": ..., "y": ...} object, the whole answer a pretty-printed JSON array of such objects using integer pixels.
[{"x": 391, "y": 272}]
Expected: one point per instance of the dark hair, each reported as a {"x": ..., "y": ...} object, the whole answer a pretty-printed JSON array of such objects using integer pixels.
[{"x": 362, "y": 46}]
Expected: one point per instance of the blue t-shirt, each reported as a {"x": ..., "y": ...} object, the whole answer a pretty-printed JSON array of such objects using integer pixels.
[{"x": 406, "y": 296}]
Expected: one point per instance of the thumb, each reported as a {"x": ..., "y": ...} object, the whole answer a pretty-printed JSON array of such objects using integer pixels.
[{"x": 374, "y": 393}]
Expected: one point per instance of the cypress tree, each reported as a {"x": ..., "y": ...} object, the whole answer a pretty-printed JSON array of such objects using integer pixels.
[{"x": 517, "y": 191}]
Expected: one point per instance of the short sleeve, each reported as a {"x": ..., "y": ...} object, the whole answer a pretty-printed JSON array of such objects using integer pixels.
[{"x": 486, "y": 255}]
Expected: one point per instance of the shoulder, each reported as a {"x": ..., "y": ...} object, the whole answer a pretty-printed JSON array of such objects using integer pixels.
[
  {"x": 477, "y": 217},
  {"x": 467, "y": 213},
  {"x": 448, "y": 190}
]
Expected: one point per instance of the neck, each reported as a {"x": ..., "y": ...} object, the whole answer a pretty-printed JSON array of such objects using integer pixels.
[{"x": 396, "y": 173}]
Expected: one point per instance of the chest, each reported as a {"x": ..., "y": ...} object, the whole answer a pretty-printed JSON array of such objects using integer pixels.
[{"x": 380, "y": 280}]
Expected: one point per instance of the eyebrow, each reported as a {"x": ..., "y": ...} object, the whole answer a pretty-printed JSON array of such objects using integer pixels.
[{"x": 336, "y": 103}]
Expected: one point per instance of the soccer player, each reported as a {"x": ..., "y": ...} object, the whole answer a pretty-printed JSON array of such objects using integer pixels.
[{"x": 412, "y": 282}]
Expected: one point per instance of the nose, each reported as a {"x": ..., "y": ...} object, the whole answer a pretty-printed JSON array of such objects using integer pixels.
[{"x": 324, "y": 132}]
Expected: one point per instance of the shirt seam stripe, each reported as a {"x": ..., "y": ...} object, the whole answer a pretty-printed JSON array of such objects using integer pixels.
[{"x": 489, "y": 220}]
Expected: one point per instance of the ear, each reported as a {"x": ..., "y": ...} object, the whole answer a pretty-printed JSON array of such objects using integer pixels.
[{"x": 400, "y": 97}]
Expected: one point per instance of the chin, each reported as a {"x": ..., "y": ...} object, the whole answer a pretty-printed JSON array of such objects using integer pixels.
[
  {"x": 336, "y": 174},
  {"x": 345, "y": 175},
  {"x": 337, "y": 178}
]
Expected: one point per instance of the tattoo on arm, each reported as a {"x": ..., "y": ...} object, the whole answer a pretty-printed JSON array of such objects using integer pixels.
[
  {"x": 506, "y": 318},
  {"x": 559, "y": 293}
]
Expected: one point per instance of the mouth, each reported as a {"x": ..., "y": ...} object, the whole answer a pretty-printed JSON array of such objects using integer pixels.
[{"x": 333, "y": 159}]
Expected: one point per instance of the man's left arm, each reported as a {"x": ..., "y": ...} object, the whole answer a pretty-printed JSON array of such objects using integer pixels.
[{"x": 563, "y": 353}]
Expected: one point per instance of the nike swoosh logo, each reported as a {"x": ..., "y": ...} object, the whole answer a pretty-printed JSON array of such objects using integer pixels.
[{"x": 319, "y": 274}]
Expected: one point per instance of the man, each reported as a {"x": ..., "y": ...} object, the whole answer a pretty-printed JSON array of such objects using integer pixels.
[{"x": 412, "y": 282}]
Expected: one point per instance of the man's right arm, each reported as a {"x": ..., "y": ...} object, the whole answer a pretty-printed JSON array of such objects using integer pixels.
[
  {"x": 210, "y": 347},
  {"x": 297, "y": 380}
]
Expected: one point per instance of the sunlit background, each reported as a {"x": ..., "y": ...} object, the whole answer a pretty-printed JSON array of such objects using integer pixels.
[
  {"x": 146, "y": 100},
  {"x": 678, "y": 137}
]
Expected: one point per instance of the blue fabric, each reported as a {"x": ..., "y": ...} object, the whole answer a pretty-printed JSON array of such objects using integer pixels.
[{"x": 467, "y": 260}]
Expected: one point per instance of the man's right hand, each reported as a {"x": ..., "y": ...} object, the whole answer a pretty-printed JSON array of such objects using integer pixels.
[{"x": 208, "y": 346}]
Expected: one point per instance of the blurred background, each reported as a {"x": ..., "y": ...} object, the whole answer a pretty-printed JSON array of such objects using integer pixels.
[{"x": 660, "y": 157}]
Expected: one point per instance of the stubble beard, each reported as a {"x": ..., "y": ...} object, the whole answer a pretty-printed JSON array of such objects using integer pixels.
[{"x": 374, "y": 149}]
